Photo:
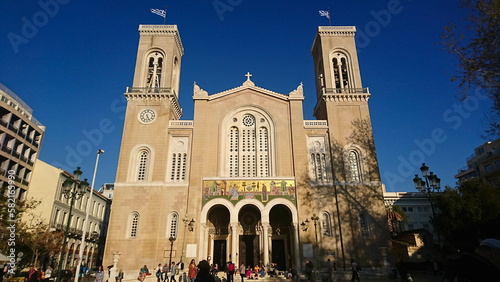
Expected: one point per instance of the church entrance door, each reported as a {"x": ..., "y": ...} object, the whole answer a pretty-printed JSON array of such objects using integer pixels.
[
  {"x": 278, "y": 256},
  {"x": 248, "y": 245},
  {"x": 220, "y": 254}
]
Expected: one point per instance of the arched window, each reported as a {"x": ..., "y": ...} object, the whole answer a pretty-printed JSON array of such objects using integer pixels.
[
  {"x": 143, "y": 164},
  {"x": 353, "y": 163},
  {"x": 248, "y": 146},
  {"x": 155, "y": 64},
  {"x": 341, "y": 70},
  {"x": 173, "y": 223},
  {"x": 134, "y": 225},
  {"x": 364, "y": 225},
  {"x": 326, "y": 227}
]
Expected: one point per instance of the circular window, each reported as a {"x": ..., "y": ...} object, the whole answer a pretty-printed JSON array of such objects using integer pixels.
[{"x": 248, "y": 120}]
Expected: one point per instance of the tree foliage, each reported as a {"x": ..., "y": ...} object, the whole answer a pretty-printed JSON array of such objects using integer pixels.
[
  {"x": 33, "y": 236},
  {"x": 476, "y": 47},
  {"x": 468, "y": 213}
]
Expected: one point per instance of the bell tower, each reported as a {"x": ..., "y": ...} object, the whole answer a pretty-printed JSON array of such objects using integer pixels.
[
  {"x": 152, "y": 102},
  {"x": 343, "y": 102},
  {"x": 158, "y": 62}
]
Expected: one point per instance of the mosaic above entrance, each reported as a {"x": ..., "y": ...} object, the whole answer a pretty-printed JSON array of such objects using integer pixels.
[{"x": 236, "y": 190}]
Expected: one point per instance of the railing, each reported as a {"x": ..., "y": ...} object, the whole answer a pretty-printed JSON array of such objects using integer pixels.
[
  {"x": 364, "y": 90},
  {"x": 150, "y": 90},
  {"x": 315, "y": 123},
  {"x": 181, "y": 123}
]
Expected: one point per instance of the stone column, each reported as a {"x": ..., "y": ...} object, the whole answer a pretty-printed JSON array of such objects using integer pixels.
[
  {"x": 234, "y": 242},
  {"x": 265, "y": 234},
  {"x": 203, "y": 241},
  {"x": 296, "y": 255}
]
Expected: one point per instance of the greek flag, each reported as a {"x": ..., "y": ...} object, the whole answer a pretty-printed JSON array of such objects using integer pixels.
[
  {"x": 159, "y": 12},
  {"x": 324, "y": 13}
]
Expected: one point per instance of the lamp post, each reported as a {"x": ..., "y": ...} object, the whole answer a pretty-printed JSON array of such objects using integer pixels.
[
  {"x": 428, "y": 185},
  {"x": 188, "y": 225},
  {"x": 315, "y": 219},
  {"x": 72, "y": 189},
  {"x": 86, "y": 222},
  {"x": 172, "y": 240}
]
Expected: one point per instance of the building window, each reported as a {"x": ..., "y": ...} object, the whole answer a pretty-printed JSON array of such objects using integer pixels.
[
  {"x": 326, "y": 228},
  {"x": 487, "y": 168},
  {"x": 143, "y": 163},
  {"x": 363, "y": 225},
  {"x": 173, "y": 225},
  {"x": 341, "y": 71},
  {"x": 248, "y": 147},
  {"x": 134, "y": 225},
  {"x": 178, "y": 169},
  {"x": 353, "y": 162},
  {"x": 155, "y": 64}
]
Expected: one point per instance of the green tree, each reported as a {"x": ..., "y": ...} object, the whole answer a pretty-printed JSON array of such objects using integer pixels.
[
  {"x": 476, "y": 47},
  {"x": 468, "y": 213}
]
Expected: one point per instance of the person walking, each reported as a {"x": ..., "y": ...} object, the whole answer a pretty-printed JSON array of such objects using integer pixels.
[
  {"x": 173, "y": 271},
  {"x": 230, "y": 271},
  {"x": 330, "y": 268},
  {"x": 354, "y": 269},
  {"x": 158, "y": 271},
  {"x": 192, "y": 270},
  {"x": 164, "y": 272},
  {"x": 309, "y": 270},
  {"x": 242, "y": 271}
]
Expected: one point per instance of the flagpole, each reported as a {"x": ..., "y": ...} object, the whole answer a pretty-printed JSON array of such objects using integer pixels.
[
  {"x": 329, "y": 17},
  {"x": 165, "y": 18}
]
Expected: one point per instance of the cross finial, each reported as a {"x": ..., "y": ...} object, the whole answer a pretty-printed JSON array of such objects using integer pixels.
[{"x": 248, "y": 75}]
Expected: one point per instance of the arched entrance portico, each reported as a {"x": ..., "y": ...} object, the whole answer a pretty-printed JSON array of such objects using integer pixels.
[{"x": 250, "y": 232}]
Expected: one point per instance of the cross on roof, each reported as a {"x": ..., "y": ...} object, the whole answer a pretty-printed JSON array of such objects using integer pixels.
[{"x": 248, "y": 75}]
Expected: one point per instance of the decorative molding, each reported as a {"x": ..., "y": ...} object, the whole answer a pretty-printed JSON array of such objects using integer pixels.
[
  {"x": 155, "y": 94},
  {"x": 165, "y": 30}
]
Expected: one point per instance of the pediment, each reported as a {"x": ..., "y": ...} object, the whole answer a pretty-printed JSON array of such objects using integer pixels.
[{"x": 200, "y": 94}]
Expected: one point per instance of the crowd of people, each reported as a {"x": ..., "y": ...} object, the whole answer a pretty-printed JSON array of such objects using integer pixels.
[{"x": 481, "y": 265}]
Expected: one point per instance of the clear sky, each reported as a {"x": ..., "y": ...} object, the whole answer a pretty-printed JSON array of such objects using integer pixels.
[{"x": 71, "y": 60}]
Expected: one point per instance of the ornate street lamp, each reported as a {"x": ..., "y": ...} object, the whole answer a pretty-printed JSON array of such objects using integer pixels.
[
  {"x": 315, "y": 219},
  {"x": 428, "y": 185},
  {"x": 172, "y": 240},
  {"x": 304, "y": 225},
  {"x": 72, "y": 189}
]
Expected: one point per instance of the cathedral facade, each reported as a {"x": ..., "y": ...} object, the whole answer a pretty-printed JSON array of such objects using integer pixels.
[{"x": 248, "y": 180}]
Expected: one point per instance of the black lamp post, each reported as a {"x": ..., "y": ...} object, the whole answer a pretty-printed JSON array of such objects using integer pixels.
[
  {"x": 430, "y": 184},
  {"x": 315, "y": 219},
  {"x": 172, "y": 240},
  {"x": 72, "y": 189}
]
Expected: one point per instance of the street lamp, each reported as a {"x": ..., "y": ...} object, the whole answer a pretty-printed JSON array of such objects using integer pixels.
[
  {"x": 72, "y": 189},
  {"x": 430, "y": 184},
  {"x": 172, "y": 240},
  {"x": 86, "y": 222},
  {"x": 315, "y": 219},
  {"x": 304, "y": 225}
]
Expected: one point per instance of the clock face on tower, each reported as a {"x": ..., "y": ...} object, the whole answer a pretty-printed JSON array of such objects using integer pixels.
[{"x": 147, "y": 116}]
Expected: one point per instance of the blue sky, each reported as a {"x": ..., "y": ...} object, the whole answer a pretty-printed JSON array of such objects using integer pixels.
[{"x": 71, "y": 60}]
